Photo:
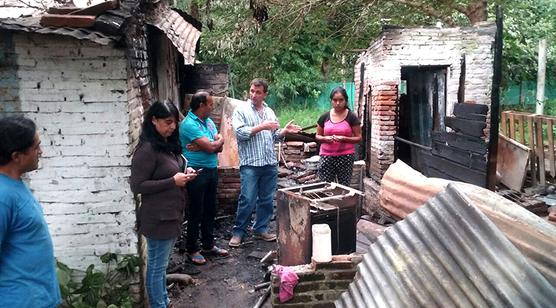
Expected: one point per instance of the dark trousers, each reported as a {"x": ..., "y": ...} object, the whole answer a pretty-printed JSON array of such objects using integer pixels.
[{"x": 202, "y": 209}]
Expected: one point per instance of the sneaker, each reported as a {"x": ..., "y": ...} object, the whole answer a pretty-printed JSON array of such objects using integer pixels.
[
  {"x": 267, "y": 237},
  {"x": 235, "y": 241}
]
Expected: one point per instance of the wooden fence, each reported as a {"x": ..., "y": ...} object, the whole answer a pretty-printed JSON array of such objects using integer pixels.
[{"x": 537, "y": 133}]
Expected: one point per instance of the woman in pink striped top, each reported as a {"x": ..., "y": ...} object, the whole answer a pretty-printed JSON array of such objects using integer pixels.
[{"x": 338, "y": 130}]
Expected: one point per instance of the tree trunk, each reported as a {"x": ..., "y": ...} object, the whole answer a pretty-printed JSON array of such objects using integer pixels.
[{"x": 476, "y": 11}]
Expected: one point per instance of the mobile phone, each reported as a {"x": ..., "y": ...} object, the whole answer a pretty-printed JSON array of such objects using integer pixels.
[
  {"x": 199, "y": 170},
  {"x": 184, "y": 163}
]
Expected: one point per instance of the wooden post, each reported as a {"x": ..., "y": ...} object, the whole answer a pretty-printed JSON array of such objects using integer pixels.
[
  {"x": 540, "y": 151},
  {"x": 541, "y": 76},
  {"x": 503, "y": 121},
  {"x": 550, "y": 135},
  {"x": 522, "y": 129},
  {"x": 531, "y": 145},
  {"x": 512, "y": 126}
]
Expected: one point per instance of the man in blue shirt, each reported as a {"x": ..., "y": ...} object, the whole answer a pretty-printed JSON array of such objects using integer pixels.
[
  {"x": 27, "y": 265},
  {"x": 257, "y": 129},
  {"x": 201, "y": 143}
]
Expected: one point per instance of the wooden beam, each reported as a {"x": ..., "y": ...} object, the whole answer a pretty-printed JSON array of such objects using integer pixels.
[
  {"x": 467, "y": 127},
  {"x": 62, "y": 10},
  {"x": 550, "y": 133},
  {"x": 56, "y": 20},
  {"x": 540, "y": 151},
  {"x": 531, "y": 144}
]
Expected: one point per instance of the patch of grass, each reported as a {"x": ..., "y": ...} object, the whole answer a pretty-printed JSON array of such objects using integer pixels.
[{"x": 303, "y": 115}]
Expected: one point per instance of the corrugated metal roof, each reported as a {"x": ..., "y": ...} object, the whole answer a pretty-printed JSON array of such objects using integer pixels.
[
  {"x": 403, "y": 190},
  {"x": 31, "y": 25},
  {"x": 181, "y": 33},
  {"x": 446, "y": 253}
]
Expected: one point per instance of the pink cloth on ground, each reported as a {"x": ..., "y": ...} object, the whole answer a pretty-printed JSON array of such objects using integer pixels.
[{"x": 288, "y": 281}]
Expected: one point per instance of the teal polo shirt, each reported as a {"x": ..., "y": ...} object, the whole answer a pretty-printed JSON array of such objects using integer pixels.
[{"x": 192, "y": 128}]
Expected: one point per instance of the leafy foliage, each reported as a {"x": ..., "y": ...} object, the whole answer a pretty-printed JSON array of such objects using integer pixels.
[
  {"x": 526, "y": 22},
  {"x": 300, "y": 44},
  {"x": 100, "y": 289}
]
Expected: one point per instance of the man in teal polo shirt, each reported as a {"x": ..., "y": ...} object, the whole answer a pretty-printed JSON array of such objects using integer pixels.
[{"x": 201, "y": 143}]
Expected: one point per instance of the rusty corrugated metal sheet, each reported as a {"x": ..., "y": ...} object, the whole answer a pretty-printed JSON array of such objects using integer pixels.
[
  {"x": 31, "y": 25},
  {"x": 182, "y": 34},
  {"x": 403, "y": 190},
  {"x": 446, "y": 254}
]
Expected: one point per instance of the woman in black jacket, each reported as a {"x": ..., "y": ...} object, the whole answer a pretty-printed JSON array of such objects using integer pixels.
[{"x": 158, "y": 174}]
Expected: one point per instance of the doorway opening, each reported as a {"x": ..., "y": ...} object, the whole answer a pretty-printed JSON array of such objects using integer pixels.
[{"x": 422, "y": 108}]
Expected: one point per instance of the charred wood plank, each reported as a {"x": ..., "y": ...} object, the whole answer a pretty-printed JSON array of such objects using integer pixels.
[
  {"x": 446, "y": 169},
  {"x": 462, "y": 142},
  {"x": 465, "y": 108},
  {"x": 467, "y": 127},
  {"x": 110, "y": 24},
  {"x": 56, "y": 20},
  {"x": 467, "y": 158}
]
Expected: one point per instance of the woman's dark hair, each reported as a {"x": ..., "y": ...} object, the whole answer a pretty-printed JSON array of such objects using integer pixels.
[
  {"x": 197, "y": 99},
  {"x": 150, "y": 134},
  {"x": 340, "y": 90},
  {"x": 16, "y": 135}
]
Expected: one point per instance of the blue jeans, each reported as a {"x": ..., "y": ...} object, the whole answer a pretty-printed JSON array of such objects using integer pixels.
[
  {"x": 158, "y": 255},
  {"x": 258, "y": 186}
]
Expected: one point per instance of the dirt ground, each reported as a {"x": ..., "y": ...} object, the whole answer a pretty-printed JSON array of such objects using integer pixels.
[{"x": 223, "y": 282}]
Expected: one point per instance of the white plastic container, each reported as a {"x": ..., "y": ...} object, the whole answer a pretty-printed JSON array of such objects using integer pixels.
[{"x": 322, "y": 245}]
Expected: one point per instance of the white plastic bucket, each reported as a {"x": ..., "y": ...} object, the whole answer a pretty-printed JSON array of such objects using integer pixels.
[{"x": 322, "y": 245}]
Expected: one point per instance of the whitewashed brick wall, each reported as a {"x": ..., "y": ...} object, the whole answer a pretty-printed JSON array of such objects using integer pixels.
[
  {"x": 432, "y": 46},
  {"x": 396, "y": 48},
  {"x": 77, "y": 93}
]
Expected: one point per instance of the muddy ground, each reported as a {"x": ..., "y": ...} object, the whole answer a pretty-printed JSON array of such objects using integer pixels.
[{"x": 223, "y": 282}]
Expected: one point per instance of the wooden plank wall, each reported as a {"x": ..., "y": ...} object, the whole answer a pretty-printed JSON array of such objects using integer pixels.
[
  {"x": 460, "y": 154},
  {"x": 537, "y": 133}
]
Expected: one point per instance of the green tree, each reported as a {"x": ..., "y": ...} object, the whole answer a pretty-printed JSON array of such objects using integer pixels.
[{"x": 299, "y": 44}]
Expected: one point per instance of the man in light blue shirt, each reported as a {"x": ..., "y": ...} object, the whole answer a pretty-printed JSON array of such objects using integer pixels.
[
  {"x": 201, "y": 142},
  {"x": 27, "y": 265},
  {"x": 257, "y": 129}
]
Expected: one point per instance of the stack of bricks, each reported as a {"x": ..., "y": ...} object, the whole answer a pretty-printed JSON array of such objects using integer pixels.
[
  {"x": 320, "y": 283},
  {"x": 383, "y": 119},
  {"x": 228, "y": 188},
  {"x": 296, "y": 151}
]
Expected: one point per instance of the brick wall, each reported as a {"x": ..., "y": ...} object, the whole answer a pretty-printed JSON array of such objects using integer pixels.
[
  {"x": 295, "y": 151},
  {"x": 77, "y": 93},
  {"x": 397, "y": 47},
  {"x": 320, "y": 284},
  {"x": 228, "y": 188}
]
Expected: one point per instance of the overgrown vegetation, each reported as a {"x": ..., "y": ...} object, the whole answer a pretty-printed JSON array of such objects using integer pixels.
[
  {"x": 304, "y": 115},
  {"x": 98, "y": 289},
  {"x": 300, "y": 44}
]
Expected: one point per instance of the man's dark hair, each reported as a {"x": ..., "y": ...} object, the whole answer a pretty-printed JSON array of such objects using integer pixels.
[
  {"x": 150, "y": 134},
  {"x": 198, "y": 99},
  {"x": 259, "y": 82},
  {"x": 16, "y": 135}
]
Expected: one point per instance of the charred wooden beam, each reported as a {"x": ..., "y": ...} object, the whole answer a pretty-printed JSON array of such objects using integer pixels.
[
  {"x": 467, "y": 127},
  {"x": 467, "y": 158},
  {"x": 446, "y": 169},
  {"x": 465, "y": 108},
  {"x": 462, "y": 142}
]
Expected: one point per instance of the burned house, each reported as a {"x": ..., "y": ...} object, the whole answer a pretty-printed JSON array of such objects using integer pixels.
[
  {"x": 426, "y": 96},
  {"x": 86, "y": 81}
]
